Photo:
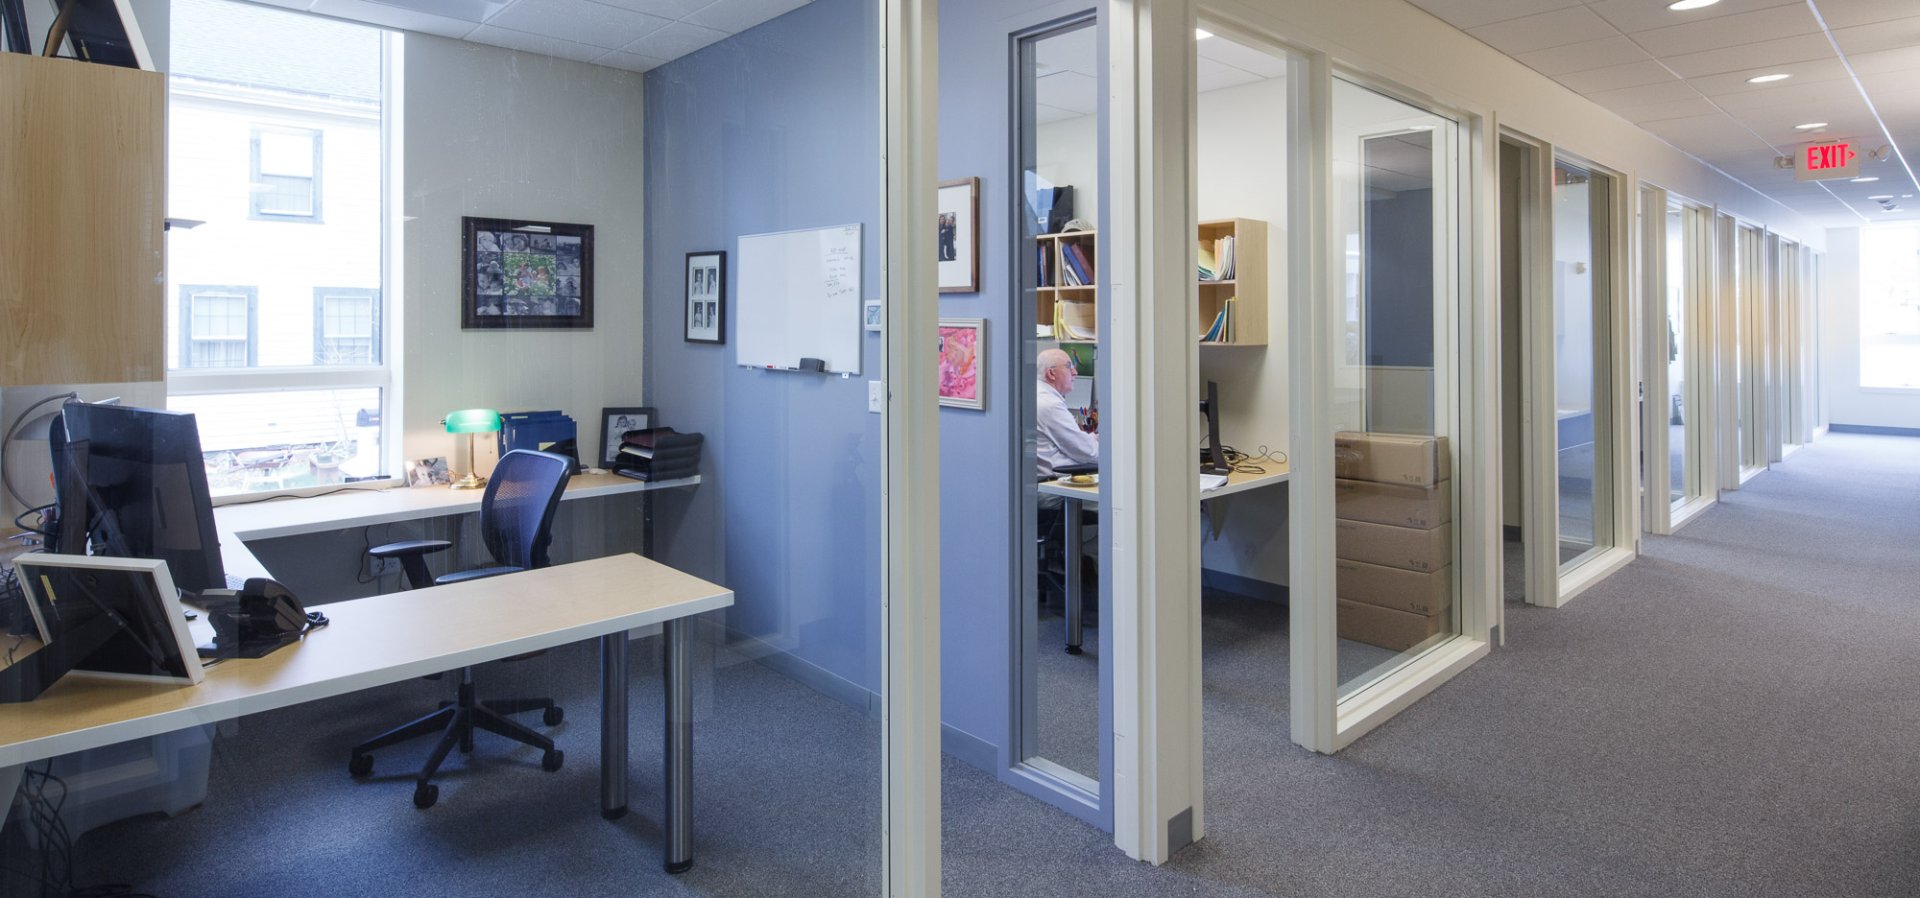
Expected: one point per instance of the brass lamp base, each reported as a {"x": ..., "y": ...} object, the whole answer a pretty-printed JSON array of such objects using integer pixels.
[{"x": 470, "y": 482}]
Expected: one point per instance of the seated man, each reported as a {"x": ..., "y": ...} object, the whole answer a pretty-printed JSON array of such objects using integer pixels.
[{"x": 1060, "y": 439}]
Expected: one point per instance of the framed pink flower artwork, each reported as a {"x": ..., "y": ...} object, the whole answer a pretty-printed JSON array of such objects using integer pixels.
[{"x": 963, "y": 344}]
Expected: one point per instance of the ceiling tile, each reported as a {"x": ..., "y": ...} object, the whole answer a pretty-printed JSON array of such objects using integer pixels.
[
  {"x": 1044, "y": 114},
  {"x": 1891, "y": 35},
  {"x": 579, "y": 21},
  {"x": 1240, "y": 56},
  {"x": 1216, "y": 75},
  {"x": 1548, "y": 29},
  {"x": 1729, "y": 31},
  {"x": 395, "y": 17},
  {"x": 1704, "y": 132},
  {"x": 666, "y": 9},
  {"x": 1811, "y": 72},
  {"x": 534, "y": 43},
  {"x": 1468, "y": 14},
  {"x": 1848, "y": 13},
  {"x": 1069, "y": 90},
  {"x": 1606, "y": 51},
  {"x": 1904, "y": 59},
  {"x": 674, "y": 41},
  {"x": 1632, "y": 74},
  {"x": 735, "y": 16},
  {"x": 1686, "y": 107},
  {"x": 1074, "y": 51},
  {"x": 1755, "y": 59},
  {"x": 1645, "y": 93},
  {"x": 632, "y": 62},
  {"x": 1633, "y": 16}
]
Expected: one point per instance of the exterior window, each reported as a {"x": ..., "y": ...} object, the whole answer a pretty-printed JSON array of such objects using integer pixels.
[
  {"x": 1890, "y": 307},
  {"x": 289, "y": 376},
  {"x": 286, "y": 174},
  {"x": 346, "y": 326},
  {"x": 217, "y": 327}
]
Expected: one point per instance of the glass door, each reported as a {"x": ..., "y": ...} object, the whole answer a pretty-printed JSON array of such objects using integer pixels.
[{"x": 1582, "y": 359}]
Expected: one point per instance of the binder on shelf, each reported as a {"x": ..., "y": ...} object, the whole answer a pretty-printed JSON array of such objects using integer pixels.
[
  {"x": 546, "y": 431},
  {"x": 1078, "y": 264},
  {"x": 1222, "y": 330},
  {"x": 1207, "y": 264}
]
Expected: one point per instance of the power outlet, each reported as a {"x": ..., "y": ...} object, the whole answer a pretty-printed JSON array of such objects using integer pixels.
[{"x": 381, "y": 567}]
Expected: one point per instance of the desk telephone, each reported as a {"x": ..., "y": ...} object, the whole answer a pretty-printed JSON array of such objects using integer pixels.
[{"x": 249, "y": 622}]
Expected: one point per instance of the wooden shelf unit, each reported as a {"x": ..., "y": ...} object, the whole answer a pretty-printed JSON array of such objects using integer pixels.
[
  {"x": 1051, "y": 259},
  {"x": 1248, "y": 286},
  {"x": 82, "y": 191}
]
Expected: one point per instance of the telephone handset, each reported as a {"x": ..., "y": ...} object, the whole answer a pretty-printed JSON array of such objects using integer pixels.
[{"x": 261, "y": 616}]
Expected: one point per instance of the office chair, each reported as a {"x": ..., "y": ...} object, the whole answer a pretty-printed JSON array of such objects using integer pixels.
[{"x": 516, "y": 517}]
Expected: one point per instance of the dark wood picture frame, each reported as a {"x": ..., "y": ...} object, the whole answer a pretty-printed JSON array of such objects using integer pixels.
[
  {"x": 706, "y": 297},
  {"x": 640, "y": 417},
  {"x": 545, "y": 280},
  {"x": 958, "y": 231}
]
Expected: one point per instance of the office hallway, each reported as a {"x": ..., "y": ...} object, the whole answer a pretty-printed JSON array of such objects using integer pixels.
[{"x": 1734, "y": 714}]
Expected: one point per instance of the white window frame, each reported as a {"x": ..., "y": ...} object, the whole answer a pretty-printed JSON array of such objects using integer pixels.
[{"x": 190, "y": 294}]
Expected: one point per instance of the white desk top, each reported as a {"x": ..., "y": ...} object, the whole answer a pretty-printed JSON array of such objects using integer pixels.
[
  {"x": 371, "y": 642},
  {"x": 1277, "y": 472},
  {"x": 241, "y": 522}
]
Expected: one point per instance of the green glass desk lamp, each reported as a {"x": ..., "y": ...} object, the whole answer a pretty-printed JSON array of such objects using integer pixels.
[{"x": 471, "y": 421}]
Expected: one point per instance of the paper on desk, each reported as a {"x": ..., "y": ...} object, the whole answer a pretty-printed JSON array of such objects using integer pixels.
[{"x": 1212, "y": 482}]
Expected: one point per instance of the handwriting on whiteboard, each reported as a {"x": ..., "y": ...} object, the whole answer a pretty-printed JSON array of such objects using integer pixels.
[{"x": 839, "y": 273}]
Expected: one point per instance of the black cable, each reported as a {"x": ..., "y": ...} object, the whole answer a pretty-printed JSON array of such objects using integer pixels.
[{"x": 13, "y": 430}]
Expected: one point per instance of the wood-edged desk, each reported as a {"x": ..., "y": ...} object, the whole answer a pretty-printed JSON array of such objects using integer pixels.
[{"x": 1077, "y": 496}]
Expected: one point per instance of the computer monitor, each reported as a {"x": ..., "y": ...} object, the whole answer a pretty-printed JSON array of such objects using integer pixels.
[
  {"x": 1213, "y": 456},
  {"x": 117, "y": 617},
  {"x": 131, "y": 483}
]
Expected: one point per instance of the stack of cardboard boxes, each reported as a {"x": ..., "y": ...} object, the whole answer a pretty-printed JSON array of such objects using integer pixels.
[{"x": 1393, "y": 537}]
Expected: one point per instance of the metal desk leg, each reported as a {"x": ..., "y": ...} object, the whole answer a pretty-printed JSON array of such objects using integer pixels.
[
  {"x": 1072, "y": 509},
  {"x": 613, "y": 725},
  {"x": 9, "y": 784},
  {"x": 679, "y": 754}
]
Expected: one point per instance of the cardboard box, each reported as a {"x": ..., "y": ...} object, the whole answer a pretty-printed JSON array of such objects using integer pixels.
[
  {"x": 1415, "y": 592},
  {"x": 1391, "y": 458},
  {"x": 1425, "y": 507},
  {"x": 1385, "y": 627},
  {"x": 1407, "y": 548}
]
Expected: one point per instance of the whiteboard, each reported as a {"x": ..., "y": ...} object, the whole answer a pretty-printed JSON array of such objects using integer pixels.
[{"x": 799, "y": 297}]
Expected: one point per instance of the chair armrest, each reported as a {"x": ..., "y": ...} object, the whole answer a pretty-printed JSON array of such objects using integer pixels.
[
  {"x": 408, "y": 547},
  {"x": 479, "y": 573}
]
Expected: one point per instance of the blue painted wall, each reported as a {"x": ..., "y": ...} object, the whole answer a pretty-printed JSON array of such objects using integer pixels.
[{"x": 773, "y": 129}]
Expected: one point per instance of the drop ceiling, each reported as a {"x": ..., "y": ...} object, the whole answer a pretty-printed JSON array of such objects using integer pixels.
[
  {"x": 636, "y": 35},
  {"x": 1683, "y": 76}
]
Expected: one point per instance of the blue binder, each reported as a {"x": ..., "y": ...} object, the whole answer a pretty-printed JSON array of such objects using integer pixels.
[{"x": 546, "y": 431}]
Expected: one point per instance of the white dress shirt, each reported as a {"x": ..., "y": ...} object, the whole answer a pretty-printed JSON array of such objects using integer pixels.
[{"x": 1061, "y": 441}]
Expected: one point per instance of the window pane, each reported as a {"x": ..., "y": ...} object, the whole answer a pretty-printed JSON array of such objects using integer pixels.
[
  {"x": 1582, "y": 347},
  {"x": 286, "y": 154},
  {"x": 1890, "y": 307},
  {"x": 278, "y": 439}
]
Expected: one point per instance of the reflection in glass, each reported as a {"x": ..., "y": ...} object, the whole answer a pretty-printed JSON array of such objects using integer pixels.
[
  {"x": 1395, "y": 196},
  {"x": 1580, "y": 359},
  {"x": 1677, "y": 412}
]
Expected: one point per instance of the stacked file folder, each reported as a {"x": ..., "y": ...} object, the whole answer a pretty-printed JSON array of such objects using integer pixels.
[{"x": 658, "y": 453}]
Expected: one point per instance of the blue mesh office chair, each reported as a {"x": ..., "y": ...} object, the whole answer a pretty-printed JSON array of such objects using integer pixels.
[{"x": 516, "y": 519}]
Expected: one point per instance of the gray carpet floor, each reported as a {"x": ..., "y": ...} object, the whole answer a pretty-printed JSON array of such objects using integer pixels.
[{"x": 1734, "y": 714}]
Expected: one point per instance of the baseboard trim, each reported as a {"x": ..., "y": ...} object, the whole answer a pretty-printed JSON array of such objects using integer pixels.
[
  {"x": 1221, "y": 581},
  {"x": 971, "y": 749},
  {"x": 806, "y": 673},
  {"x": 1875, "y": 429}
]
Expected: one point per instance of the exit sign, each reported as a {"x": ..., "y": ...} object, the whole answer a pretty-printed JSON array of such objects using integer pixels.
[{"x": 1821, "y": 161}]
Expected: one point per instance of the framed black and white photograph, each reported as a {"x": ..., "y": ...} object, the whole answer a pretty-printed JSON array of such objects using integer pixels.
[
  {"x": 959, "y": 205},
  {"x": 525, "y": 274},
  {"x": 614, "y": 422},
  {"x": 706, "y": 297}
]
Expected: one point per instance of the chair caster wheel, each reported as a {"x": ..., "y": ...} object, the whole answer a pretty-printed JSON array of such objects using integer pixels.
[
  {"x": 425, "y": 794},
  {"x": 360, "y": 765},
  {"x": 1073, "y": 650},
  {"x": 552, "y": 760},
  {"x": 553, "y": 716}
]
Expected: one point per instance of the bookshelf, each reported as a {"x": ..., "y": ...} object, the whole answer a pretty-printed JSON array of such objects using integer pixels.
[
  {"x": 1233, "y": 263},
  {"x": 1065, "y": 265}
]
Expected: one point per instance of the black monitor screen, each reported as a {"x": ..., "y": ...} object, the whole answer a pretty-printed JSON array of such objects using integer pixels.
[
  {"x": 1213, "y": 456},
  {"x": 144, "y": 488}
]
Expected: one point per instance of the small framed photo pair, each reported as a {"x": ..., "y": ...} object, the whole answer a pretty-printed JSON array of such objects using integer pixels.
[
  {"x": 615, "y": 422},
  {"x": 525, "y": 274},
  {"x": 706, "y": 297}
]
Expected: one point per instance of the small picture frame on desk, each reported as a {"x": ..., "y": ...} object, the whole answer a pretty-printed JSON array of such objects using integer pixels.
[
  {"x": 615, "y": 422},
  {"x": 706, "y": 297}
]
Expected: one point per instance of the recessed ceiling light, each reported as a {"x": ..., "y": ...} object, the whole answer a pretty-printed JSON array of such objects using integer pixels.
[
  {"x": 1768, "y": 78},
  {"x": 1684, "y": 5},
  {"x": 1810, "y": 126},
  {"x": 1201, "y": 34},
  {"x": 1865, "y": 178}
]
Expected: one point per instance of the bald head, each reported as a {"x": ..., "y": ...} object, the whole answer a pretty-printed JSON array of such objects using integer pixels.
[{"x": 1056, "y": 369}]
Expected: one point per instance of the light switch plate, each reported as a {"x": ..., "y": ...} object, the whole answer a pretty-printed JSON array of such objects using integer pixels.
[{"x": 876, "y": 396}]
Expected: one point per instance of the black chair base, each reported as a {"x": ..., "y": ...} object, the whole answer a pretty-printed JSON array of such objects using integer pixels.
[{"x": 456, "y": 722}]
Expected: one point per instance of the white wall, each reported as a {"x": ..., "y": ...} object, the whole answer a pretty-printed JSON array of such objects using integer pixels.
[
  {"x": 1847, "y": 402},
  {"x": 1065, "y": 152},
  {"x": 498, "y": 133}
]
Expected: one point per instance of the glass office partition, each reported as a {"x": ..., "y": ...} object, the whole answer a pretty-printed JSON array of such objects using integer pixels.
[
  {"x": 1682, "y": 476},
  {"x": 1749, "y": 293},
  {"x": 650, "y": 256},
  {"x": 1396, "y": 190},
  {"x": 1582, "y": 353}
]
